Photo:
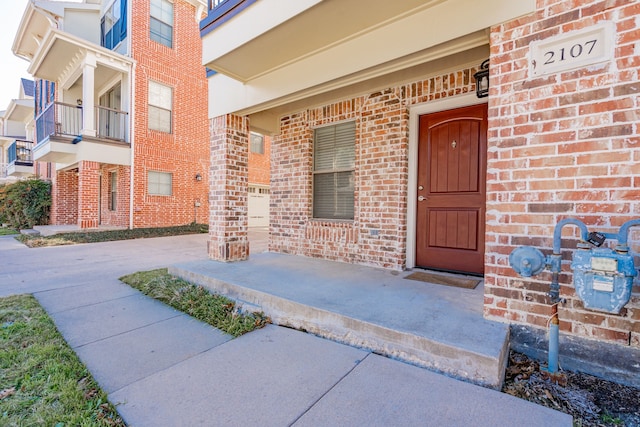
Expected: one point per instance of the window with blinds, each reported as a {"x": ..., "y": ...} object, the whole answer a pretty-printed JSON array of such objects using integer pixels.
[
  {"x": 256, "y": 143},
  {"x": 162, "y": 22},
  {"x": 113, "y": 191},
  {"x": 334, "y": 158},
  {"x": 160, "y": 183},
  {"x": 160, "y": 106}
]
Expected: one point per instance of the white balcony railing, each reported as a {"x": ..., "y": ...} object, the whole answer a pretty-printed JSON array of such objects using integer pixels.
[
  {"x": 58, "y": 119},
  {"x": 111, "y": 123}
]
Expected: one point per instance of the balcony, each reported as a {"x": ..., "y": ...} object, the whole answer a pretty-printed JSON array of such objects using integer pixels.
[
  {"x": 62, "y": 138},
  {"x": 20, "y": 158}
]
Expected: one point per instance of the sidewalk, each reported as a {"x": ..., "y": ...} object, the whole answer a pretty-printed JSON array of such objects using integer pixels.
[{"x": 163, "y": 368}]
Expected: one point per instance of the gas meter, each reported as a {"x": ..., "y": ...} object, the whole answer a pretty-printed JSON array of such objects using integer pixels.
[{"x": 603, "y": 278}]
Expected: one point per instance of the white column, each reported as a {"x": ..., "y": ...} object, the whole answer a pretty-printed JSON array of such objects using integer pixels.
[{"x": 88, "y": 101}]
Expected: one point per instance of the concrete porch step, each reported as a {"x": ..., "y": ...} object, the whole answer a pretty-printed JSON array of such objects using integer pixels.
[{"x": 433, "y": 326}]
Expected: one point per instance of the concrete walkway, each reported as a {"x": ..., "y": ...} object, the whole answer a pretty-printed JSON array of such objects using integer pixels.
[{"x": 162, "y": 368}]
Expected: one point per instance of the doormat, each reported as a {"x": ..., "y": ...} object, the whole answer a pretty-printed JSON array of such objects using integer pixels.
[{"x": 438, "y": 279}]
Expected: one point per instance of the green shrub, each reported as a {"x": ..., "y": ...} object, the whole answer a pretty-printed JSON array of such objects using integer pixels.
[{"x": 24, "y": 204}]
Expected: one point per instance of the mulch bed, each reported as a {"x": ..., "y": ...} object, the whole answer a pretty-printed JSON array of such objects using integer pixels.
[{"x": 590, "y": 400}]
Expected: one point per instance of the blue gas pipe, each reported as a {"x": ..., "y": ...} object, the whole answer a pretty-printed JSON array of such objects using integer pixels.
[
  {"x": 529, "y": 261},
  {"x": 555, "y": 263}
]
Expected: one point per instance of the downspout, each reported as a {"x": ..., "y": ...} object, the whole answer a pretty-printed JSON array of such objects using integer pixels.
[
  {"x": 132, "y": 111},
  {"x": 132, "y": 138}
]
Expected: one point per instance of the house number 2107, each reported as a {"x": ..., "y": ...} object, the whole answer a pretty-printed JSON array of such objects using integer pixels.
[
  {"x": 569, "y": 51},
  {"x": 574, "y": 52}
]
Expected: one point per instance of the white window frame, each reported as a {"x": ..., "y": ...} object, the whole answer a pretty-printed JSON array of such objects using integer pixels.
[
  {"x": 113, "y": 190},
  {"x": 159, "y": 183},
  {"x": 162, "y": 20},
  {"x": 341, "y": 164},
  {"x": 159, "y": 106},
  {"x": 256, "y": 144}
]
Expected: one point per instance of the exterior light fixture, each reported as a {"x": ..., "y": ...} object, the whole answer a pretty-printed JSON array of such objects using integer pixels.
[
  {"x": 198, "y": 177},
  {"x": 79, "y": 102},
  {"x": 482, "y": 80}
]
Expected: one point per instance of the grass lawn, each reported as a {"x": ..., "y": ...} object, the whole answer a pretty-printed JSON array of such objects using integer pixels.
[
  {"x": 196, "y": 301},
  {"x": 4, "y": 231},
  {"x": 42, "y": 382},
  {"x": 111, "y": 235}
]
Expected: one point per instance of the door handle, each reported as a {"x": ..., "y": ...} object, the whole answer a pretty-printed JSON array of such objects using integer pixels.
[{"x": 421, "y": 198}]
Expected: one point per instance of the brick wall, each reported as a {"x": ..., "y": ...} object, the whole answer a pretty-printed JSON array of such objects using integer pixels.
[
  {"x": 377, "y": 235},
  {"x": 88, "y": 190},
  {"x": 259, "y": 164},
  {"x": 118, "y": 215},
  {"x": 64, "y": 191},
  {"x": 563, "y": 145},
  {"x": 228, "y": 194},
  {"x": 185, "y": 151}
]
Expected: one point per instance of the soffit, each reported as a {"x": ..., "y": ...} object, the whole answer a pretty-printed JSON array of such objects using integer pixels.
[{"x": 320, "y": 27}]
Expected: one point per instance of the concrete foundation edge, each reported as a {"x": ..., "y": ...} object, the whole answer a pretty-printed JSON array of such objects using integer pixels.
[
  {"x": 468, "y": 366},
  {"x": 612, "y": 362}
]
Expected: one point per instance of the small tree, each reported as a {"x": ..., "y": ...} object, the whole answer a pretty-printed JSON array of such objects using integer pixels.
[{"x": 24, "y": 204}]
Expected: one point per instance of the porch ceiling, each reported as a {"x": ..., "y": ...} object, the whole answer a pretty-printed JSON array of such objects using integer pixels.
[
  {"x": 318, "y": 28},
  {"x": 332, "y": 44},
  {"x": 6, "y": 141},
  {"x": 61, "y": 55},
  {"x": 20, "y": 110},
  {"x": 33, "y": 27}
]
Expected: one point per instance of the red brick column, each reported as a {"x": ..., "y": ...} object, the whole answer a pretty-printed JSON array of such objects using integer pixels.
[
  {"x": 88, "y": 194},
  {"x": 228, "y": 188},
  {"x": 64, "y": 200}
]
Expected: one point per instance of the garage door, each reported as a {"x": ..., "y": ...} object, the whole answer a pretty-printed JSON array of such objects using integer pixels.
[{"x": 258, "y": 206}]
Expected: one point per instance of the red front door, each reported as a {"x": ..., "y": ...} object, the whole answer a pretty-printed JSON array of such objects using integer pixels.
[{"x": 452, "y": 168}]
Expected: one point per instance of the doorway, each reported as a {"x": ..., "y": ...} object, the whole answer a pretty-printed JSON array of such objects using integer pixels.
[{"x": 451, "y": 190}]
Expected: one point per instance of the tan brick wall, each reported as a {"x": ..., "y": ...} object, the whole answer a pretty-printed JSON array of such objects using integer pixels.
[
  {"x": 562, "y": 145},
  {"x": 377, "y": 235}
]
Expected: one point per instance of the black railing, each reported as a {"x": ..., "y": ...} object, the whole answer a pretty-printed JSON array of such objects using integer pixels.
[
  {"x": 111, "y": 123},
  {"x": 59, "y": 119},
  {"x": 19, "y": 152}
]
